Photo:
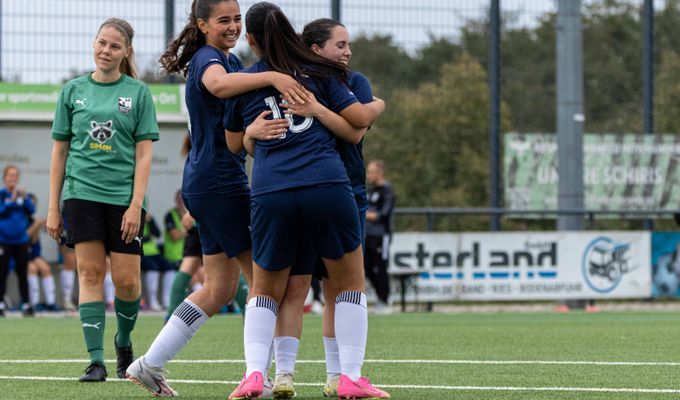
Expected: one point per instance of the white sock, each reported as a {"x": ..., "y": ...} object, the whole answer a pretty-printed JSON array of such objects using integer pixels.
[
  {"x": 48, "y": 289},
  {"x": 151, "y": 282},
  {"x": 258, "y": 333},
  {"x": 270, "y": 359},
  {"x": 168, "y": 277},
  {"x": 330, "y": 345},
  {"x": 181, "y": 327},
  {"x": 351, "y": 331},
  {"x": 33, "y": 289},
  {"x": 67, "y": 279},
  {"x": 109, "y": 291},
  {"x": 286, "y": 350}
]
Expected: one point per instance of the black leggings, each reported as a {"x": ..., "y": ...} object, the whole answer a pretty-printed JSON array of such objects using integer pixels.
[
  {"x": 375, "y": 264},
  {"x": 20, "y": 254}
]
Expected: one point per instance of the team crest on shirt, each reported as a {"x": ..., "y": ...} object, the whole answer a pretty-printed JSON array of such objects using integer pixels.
[
  {"x": 124, "y": 104},
  {"x": 101, "y": 131}
]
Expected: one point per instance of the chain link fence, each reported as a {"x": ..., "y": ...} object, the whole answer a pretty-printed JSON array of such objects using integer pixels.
[{"x": 428, "y": 59}]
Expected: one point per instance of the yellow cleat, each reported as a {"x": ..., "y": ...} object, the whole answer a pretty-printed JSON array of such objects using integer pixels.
[{"x": 283, "y": 387}]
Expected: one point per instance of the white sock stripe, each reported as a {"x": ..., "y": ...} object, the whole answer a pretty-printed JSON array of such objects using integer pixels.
[
  {"x": 267, "y": 302},
  {"x": 353, "y": 296},
  {"x": 187, "y": 312}
]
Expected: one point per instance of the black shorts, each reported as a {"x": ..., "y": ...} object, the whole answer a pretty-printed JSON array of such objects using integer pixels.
[
  {"x": 91, "y": 220},
  {"x": 192, "y": 243},
  {"x": 156, "y": 263}
]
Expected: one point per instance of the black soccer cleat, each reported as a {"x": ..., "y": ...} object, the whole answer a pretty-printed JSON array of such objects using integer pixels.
[
  {"x": 94, "y": 372},
  {"x": 124, "y": 358}
]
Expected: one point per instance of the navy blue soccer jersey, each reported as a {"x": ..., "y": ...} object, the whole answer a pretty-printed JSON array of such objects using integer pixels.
[
  {"x": 305, "y": 155},
  {"x": 352, "y": 154},
  {"x": 210, "y": 168}
]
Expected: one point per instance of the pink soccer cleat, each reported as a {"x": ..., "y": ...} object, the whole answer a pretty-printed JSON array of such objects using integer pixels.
[
  {"x": 249, "y": 388},
  {"x": 359, "y": 389}
]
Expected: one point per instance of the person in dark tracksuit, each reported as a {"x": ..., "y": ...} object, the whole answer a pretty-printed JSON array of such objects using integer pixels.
[{"x": 378, "y": 231}]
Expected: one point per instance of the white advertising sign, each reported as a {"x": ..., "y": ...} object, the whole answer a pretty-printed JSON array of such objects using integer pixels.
[{"x": 524, "y": 265}]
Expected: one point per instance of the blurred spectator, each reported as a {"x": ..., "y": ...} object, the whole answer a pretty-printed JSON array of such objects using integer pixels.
[
  {"x": 173, "y": 244},
  {"x": 378, "y": 232},
  {"x": 67, "y": 275},
  {"x": 15, "y": 209},
  {"x": 153, "y": 263},
  {"x": 39, "y": 271}
]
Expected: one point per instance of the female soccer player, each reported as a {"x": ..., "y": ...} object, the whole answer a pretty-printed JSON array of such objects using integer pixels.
[
  {"x": 103, "y": 128},
  {"x": 329, "y": 39},
  {"x": 215, "y": 186},
  {"x": 294, "y": 179}
]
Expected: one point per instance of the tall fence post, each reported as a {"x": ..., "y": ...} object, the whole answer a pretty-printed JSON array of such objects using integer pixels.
[
  {"x": 0, "y": 40},
  {"x": 570, "y": 117},
  {"x": 648, "y": 78},
  {"x": 169, "y": 30},
  {"x": 494, "y": 72},
  {"x": 335, "y": 10}
]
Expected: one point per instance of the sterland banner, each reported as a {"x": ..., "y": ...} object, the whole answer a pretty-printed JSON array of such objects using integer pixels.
[
  {"x": 524, "y": 265},
  {"x": 620, "y": 171}
]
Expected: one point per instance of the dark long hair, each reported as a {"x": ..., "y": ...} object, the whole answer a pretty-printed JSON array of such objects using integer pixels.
[
  {"x": 180, "y": 50},
  {"x": 283, "y": 49},
  {"x": 319, "y": 31}
]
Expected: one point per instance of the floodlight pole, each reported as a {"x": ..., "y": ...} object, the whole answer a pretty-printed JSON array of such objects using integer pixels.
[
  {"x": 648, "y": 79},
  {"x": 169, "y": 30},
  {"x": 570, "y": 117},
  {"x": 0, "y": 40},
  {"x": 494, "y": 76},
  {"x": 335, "y": 10}
]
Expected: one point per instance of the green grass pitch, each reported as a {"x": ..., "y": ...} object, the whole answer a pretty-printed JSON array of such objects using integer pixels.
[{"x": 608, "y": 355}]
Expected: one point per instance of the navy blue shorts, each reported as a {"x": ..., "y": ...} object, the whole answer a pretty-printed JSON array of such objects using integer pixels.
[
  {"x": 283, "y": 223},
  {"x": 192, "y": 243},
  {"x": 320, "y": 271},
  {"x": 222, "y": 222},
  {"x": 36, "y": 251},
  {"x": 156, "y": 263}
]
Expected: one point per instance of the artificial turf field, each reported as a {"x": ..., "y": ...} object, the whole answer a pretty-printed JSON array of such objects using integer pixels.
[{"x": 608, "y": 355}]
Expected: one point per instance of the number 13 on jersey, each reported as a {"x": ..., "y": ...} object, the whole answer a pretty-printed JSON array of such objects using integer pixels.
[{"x": 276, "y": 113}]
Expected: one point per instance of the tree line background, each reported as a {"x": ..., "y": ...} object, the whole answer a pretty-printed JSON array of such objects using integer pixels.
[{"x": 434, "y": 133}]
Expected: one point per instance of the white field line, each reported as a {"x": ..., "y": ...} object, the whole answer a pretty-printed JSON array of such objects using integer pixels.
[
  {"x": 378, "y": 361},
  {"x": 431, "y": 387}
]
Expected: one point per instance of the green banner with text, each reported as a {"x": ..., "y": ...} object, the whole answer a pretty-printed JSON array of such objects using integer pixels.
[
  {"x": 43, "y": 98},
  {"x": 620, "y": 171}
]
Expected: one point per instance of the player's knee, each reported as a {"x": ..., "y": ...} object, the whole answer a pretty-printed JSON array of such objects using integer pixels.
[
  {"x": 220, "y": 293},
  {"x": 127, "y": 286},
  {"x": 90, "y": 276},
  {"x": 297, "y": 290}
]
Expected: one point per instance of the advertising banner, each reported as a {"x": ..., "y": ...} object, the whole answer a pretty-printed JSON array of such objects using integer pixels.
[
  {"x": 666, "y": 264},
  {"x": 524, "y": 265},
  {"x": 16, "y": 97},
  {"x": 621, "y": 171}
]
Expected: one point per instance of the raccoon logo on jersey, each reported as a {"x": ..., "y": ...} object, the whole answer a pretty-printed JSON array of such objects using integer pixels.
[
  {"x": 101, "y": 131},
  {"x": 124, "y": 104}
]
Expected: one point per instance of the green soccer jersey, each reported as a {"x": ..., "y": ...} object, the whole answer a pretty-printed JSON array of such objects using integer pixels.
[{"x": 103, "y": 122}]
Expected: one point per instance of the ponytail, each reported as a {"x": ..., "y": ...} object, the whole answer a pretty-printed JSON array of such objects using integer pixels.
[{"x": 283, "y": 49}]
